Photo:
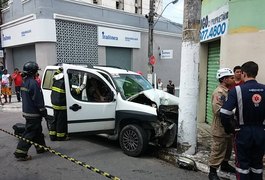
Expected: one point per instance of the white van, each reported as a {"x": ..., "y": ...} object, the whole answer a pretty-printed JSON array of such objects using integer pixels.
[{"x": 129, "y": 108}]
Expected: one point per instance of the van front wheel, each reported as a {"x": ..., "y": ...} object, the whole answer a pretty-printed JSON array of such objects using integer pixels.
[{"x": 133, "y": 140}]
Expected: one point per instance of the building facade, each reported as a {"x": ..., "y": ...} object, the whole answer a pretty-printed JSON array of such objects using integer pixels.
[
  {"x": 75, "y": 31},
  {"x": 232, "y": 33},
  {"x": 131, "y": 6}
]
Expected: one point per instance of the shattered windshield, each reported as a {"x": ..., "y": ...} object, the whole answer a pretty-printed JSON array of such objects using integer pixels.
[{"x": 131, "y": 84}]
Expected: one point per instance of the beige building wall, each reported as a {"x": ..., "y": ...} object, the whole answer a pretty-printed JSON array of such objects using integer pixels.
[
  {"x": 239, "y": 48},
  {"x": 235, "y": 50}
]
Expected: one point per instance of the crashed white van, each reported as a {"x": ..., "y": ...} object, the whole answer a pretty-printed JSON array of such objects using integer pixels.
[{"x": 123, "y": 105}]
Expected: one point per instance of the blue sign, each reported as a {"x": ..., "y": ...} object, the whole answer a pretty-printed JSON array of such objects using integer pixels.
[
  {"x": 109, "y": 37},
  {"x": 215, "y": 24}
]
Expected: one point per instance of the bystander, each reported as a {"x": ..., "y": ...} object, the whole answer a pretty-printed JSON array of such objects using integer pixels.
[
  {"x": 171, "y": 87},
  {"x": 6, "y": 85},
  {"x": 17, "y": 78}
]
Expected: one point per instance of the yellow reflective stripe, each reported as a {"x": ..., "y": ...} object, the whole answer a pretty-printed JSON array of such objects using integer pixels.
[
  {"x": 56, "y": 89},
  {"x": 60, "y": 134},
  {"x": 21, "y": 152},
  {"x": 59, "y": 107},
  {"x": 52, "y": 133}
]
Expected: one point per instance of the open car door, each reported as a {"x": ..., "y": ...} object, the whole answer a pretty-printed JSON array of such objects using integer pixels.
[{"x": 91, "y": 100}]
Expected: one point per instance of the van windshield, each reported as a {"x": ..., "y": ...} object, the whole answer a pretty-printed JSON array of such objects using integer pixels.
[{"x": 131, "y": 84}]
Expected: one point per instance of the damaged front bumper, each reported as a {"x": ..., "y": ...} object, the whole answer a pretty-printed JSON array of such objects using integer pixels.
[{"x": 166, "y": 128}]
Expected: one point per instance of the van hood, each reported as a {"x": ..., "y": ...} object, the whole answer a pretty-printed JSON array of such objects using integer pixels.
[{"x": 156, "y": 96}]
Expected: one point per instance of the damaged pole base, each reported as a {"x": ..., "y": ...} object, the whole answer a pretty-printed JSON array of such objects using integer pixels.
[{"x": 183, "y": 147}]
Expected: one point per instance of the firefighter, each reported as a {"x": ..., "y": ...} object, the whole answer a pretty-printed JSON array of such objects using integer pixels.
[
  {"x": 249, "y": 101},
  {"x": 58, "y": 127},
  {"x": 221, "y": 148},
  {"x": 33, "y": 110}
]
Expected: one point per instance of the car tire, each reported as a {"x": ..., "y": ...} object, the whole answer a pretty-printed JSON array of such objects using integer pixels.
[{"x": 133, "y": 140}]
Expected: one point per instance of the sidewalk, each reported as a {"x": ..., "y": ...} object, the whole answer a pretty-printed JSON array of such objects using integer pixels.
[
  {"x": 13, "y": 106},
  {"x": 203, "y": 152}
]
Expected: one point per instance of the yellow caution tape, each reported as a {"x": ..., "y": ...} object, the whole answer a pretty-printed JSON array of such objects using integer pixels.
[{"x": 65, "y": 157}]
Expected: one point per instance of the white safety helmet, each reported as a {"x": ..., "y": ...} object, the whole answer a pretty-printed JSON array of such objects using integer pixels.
[{"x": 224, "y": 72}]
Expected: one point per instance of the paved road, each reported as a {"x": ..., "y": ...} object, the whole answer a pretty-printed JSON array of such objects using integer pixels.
[{"x": 95, "y": 151}]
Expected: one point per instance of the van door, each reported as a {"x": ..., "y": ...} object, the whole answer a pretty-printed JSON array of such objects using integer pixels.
[
  {"x": 90, "y": 100},
  {"x": 47, "y": 89}
]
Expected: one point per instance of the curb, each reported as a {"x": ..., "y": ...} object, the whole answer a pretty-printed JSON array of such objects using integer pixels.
[{"x": 171, "y": 155}]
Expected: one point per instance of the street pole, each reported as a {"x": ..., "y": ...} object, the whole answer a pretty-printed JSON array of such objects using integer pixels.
[
  {"x": 150, "y": 34},
  {"x": 189, "y": 81},
  {"x": 152, "y": 24}
]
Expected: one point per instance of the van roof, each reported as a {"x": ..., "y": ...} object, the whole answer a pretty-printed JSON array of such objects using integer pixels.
[
  {"x": 110, "y": 69},
  {"x": 114, "y": 70}
]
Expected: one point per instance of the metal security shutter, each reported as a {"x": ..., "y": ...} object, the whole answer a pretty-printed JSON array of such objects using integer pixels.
[
  {"x": 212, "y": 67},
  {"x": 120, "y": 57},
  {"x": 23, "y": 54}
]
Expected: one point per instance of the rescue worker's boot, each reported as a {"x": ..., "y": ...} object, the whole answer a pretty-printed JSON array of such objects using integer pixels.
[
  {"x": 22, "y": 155},
  {"x": 213, "y": 174},
  {"x": 52, "y": 135},
  {"x": 65, "y": 138},
  {"x": 40, "y": 148},
  {"x": 226, "y": 167}
]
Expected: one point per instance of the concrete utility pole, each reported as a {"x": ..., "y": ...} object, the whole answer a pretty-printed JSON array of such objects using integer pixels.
[
  {"x": 151, "y": 34},
  {"x": 189, "y": 81}
]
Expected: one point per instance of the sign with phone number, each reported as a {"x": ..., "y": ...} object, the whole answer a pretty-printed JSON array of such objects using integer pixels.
[
  {"x": 213, "y": 32},
  {"x": 214, "y": 24}
]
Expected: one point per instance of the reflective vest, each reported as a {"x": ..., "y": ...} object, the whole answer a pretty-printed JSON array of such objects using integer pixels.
[{"x": 58, "y": 97}]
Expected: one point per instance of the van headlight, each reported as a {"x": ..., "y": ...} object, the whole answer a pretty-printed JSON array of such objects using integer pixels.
[{"x": 164, "y": 101}]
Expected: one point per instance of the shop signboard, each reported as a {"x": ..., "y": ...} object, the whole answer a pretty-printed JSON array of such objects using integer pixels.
[
  {"x": 214, "y": 24},
  {"x": 118, "y": 38}
]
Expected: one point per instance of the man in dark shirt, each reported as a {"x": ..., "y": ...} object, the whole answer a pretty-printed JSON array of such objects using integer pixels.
[
  {"x": 249, "y": 101},
  {"x": 171, "y": 87}
]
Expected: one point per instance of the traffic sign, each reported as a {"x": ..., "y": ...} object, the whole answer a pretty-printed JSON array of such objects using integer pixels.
[{"x": 152, "y": 60}]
